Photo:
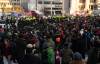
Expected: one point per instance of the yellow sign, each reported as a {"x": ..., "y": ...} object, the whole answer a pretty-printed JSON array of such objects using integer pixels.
[{"x": 17, "y": 9}]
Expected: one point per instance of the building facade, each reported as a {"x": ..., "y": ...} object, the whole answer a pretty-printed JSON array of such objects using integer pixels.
[
  {"x": 32, "y": 5},
  {"x": 98, "y": 4},
  {"x": 50, "y": 7},
  {"x": 9, "y": 6},
  {"x": 66, "y": 7},
  {"x": 5, "y": 6},
  {"x": 84, "y": 6}
]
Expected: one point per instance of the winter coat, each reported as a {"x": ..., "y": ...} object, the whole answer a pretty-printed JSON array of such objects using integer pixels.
[
  {"x": 58, "y": 57},
  {"x": 51, "y": 43},
  {"x": 44, "y": 56},
  {"x": 51, "y": 56},
  {"x": 66, "y": 55},
  {"x": 31, "y": 59},
  {"x": 7, "y": 48},
  {"x": 77, "y": 58},
  {"x": 20, "y": 47}
]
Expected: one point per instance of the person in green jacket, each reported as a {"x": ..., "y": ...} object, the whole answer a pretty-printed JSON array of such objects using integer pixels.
[{"x": 51, "y": 55}]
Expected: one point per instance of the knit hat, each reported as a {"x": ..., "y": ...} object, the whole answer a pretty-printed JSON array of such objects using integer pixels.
[
  {"x": 29, "y": 46},
  {"x": 57, "y": 33},
  {"x": 77, "y": 56}
]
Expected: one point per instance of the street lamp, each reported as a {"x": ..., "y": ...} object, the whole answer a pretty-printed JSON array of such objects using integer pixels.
[
  {"x": 51, "y": 7},
  {"x": 36, "y": 4},
  {"x": 43, "y": 6},
  {"x": 3, "y": 7}
]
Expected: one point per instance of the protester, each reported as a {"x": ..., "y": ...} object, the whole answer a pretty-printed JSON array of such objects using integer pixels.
[
  {"x": 66, "y": 55},
  {"x": 49, "y": 41},
  {"x": 77, "y": 58}
]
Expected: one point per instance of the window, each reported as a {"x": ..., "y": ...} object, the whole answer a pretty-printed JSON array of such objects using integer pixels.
[
  {"x": 92, "y": 1},
  {"x": 46, "y": 8},
  {"x": 14, "y": 0},
  {"x": 81, "y": 7},
  {"x": 93, "y": 7},
  {"x": 82, "y": 1},
  {"x": 56, "y": 8},
  {"x": 10, "y": 3},
  {"x": 46, "y": 2},
  {"x": 56, "y": 3},
  {"x": 58, "y": 12},
  {"x": 15, "y": 3},
  {"x": 39, "y": 2},
  {"x": 98, "y": 7}
]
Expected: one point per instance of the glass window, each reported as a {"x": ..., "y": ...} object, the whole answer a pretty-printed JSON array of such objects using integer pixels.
[
  {"x": 39, "y": 2},
  {"x": 81, "y": 7},
  {"x": 46, "y": 2},
  {"x": 56, "y": 3},
  {"x": 11, "y": 4},
  {"x": 7, "y": 3},
  {"x": 58, "y": 12},
  {"x": 92, "y": 1},
  {"x": 82, "y": 1},
  {"x": 56, "y": 8},
  {"x": 93, "y": 7},
  {"x": 15, "y": 3},
  {"x": 14, "y": 0}
]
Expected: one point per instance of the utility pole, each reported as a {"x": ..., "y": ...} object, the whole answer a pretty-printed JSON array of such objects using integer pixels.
[
  {"x": 36, "y": 4},
  {"x": 51, "y": 7},
  {"x": 63, "y": 8},
  {"x": 43, "y": 6}
]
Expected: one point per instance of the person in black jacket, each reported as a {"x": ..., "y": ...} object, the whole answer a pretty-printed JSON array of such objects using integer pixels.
[
  {"x": 94, "y": 53},
  {"x": 1, "y": 51},
  {"x": 20, "y": 49},
  {"x": 31, "y": 56}
]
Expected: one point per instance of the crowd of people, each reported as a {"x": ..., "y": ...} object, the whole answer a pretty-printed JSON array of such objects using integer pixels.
[{"x": 51, "y": 41}]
